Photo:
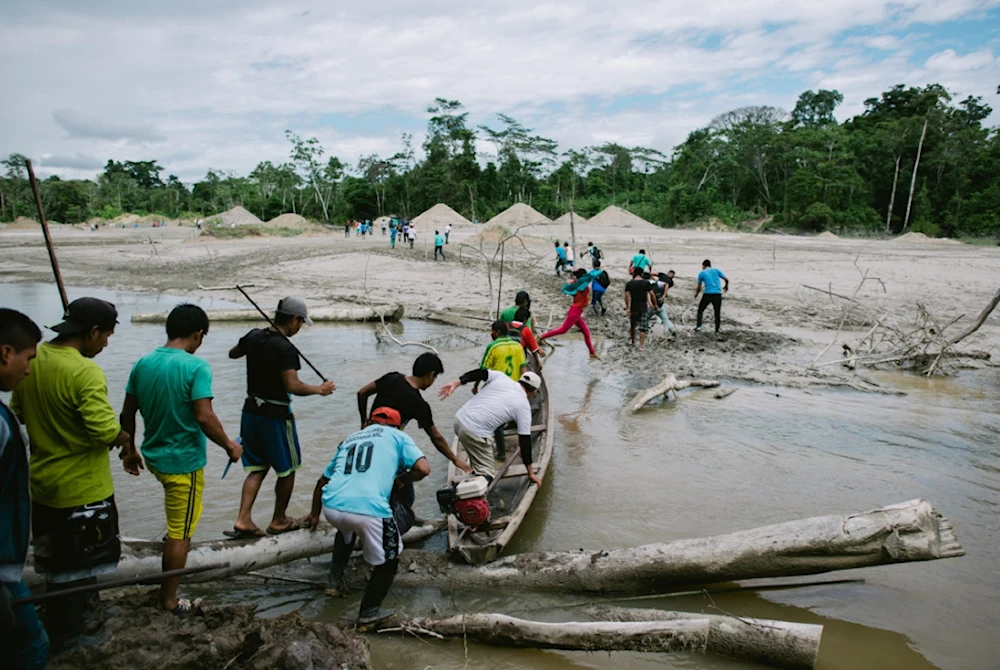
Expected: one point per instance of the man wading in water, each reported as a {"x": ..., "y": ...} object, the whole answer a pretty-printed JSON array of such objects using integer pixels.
[{"x": 268, "y": 425}]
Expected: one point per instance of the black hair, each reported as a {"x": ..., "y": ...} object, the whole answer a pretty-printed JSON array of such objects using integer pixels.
[
  {"x": 500, "y": 326},
  {"x": 17, "y": 330},
  {"x": 522, "y": 314},
  {"x": 636, "y": 272},
  {"x": 185, "y": 320},
  {"x": 590, "y": 244},
  {"x": 706, "y": 263},
  {"x": 280, "y": 318},
  {"x": 557, "y": 243},
  {"x": 669, "y": 271},
  {"x": 579, "y": 272},
  {"x": 522, "y": 298},
  {"x": 426, "y": 363},
  {"x": 642, "y": 251}
]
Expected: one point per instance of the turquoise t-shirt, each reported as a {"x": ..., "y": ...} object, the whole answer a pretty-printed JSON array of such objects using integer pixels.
[
  {"x": 438, "y": 241},
  {"x": 166, "y": 383},
  {"x": 641, "y": 261},
  {"x": 364, "y": 468},
  {"x": 710, "y": 277}
]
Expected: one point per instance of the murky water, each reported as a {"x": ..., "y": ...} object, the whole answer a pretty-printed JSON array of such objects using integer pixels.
[{"x": 686, "y": 469}]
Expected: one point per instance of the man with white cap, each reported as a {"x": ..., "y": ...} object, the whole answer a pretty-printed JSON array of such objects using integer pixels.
[
  {"x": 498, "y": 401},
  {"x": 267, "y": 426}
]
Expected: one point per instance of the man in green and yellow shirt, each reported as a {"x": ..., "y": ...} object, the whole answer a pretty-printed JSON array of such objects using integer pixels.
[
  {"x": 71, "y": 425},
  {"x": 504, "y": 354}
]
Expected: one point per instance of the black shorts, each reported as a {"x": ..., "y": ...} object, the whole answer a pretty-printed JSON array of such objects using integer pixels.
[{"x": 639, "y": 320}]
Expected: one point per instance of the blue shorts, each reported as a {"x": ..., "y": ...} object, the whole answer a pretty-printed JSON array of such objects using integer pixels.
[{"x": 270, "y": 443}]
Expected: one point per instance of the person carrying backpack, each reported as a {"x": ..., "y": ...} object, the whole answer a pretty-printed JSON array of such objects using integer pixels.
[{"x": 598, "y": 287}]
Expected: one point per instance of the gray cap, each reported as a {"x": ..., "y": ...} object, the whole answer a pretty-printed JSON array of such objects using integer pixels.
[{"x": 294, "y": 307}]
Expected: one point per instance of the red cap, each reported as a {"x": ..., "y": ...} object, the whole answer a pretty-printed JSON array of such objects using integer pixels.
[{"x": 386, "y": 416}]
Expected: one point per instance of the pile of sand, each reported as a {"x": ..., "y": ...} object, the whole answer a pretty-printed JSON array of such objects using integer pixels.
[
  {"x": 289, "y": 221},
  {"x": 827, "y": 235},
  {"x": 22, "y": 223},
  {"x": 564, "y": 219},
  {"x": 439, "y": 216},
  {"x": 616, "y": 217},
  {"x": 518, "y": 214},
  {"x": 237, "y": 215},
  {"x": 912, "y": 237}
]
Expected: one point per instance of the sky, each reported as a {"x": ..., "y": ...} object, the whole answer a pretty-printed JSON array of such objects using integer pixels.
[{"x": 214, "y": 84}]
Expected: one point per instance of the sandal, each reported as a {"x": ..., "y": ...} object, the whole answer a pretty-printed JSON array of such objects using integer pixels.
[
  {"x": 294, "y": 524},
  {"x": 243, "y": 533},
  {"x": 186, "y": 608}
]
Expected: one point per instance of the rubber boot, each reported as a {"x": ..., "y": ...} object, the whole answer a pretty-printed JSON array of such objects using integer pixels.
[
  {"x": 376, "y": 591},
  {"x": 341, "y": 555}
]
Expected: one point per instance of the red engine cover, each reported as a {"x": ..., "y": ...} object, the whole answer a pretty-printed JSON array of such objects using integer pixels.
[{"x": 472, "y": 511}]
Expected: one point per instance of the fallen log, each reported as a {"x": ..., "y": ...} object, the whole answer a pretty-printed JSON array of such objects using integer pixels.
[
  {"x": 319, "y": 314},
  {"x": 776, "y": 643},
  {"x": 669, "y": 384},
  {"x": 725, "y": 393},
  {"x": 142, "y": 559},
  {"x": 910, "y": 531}
]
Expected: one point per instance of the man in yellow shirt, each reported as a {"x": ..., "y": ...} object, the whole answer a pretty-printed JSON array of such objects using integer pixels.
[
  {"x": 504, "y": 354},
  {"x": 71, "y": 425}
]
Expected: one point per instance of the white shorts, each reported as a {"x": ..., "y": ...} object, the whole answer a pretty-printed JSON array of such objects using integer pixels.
[{"x": 380, "y": 539}]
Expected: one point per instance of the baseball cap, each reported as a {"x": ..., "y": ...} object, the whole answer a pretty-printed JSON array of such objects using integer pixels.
[
  {"x": 386, "y": 416},
  {"x": 294, "y": 307},
  {"x": 85, "y": 313},
  {"x": 531, "y": 380}
]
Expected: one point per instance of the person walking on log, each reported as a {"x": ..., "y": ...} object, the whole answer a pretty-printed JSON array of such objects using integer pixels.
[
  {"x": 72, "y": 426},
  {"x": 172, "y": 389},
  {"x": 640, "y": 262},
  {"x": 353, "y": 495},
  {"x": 600, "y": 284},
  {"x": 498, "y": 402},
  {"x": 267, "y": 425},
  {"x": 639, "y": 303},
  {"x": 580, "y": 290},
  {"x": 22, "y": 635},
  {"x": 403, "y": 394},
  {"x": 560, "y": 259},
  {"x": 438, "y": 245},
  {"x": 709, "y": 278}
]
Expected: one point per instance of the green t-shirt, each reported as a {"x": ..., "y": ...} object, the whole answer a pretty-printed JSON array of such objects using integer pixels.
[
  {"x": 507, "y": 316},
  {"x": 166, "y": 383},
  {"x": 64, "y": 405},
  {"x": 438, "y": 241},
  {"x": 641, "y": 261}
]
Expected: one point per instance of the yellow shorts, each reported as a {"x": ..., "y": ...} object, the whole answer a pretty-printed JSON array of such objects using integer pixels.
[{"x": 182, "y": 501}]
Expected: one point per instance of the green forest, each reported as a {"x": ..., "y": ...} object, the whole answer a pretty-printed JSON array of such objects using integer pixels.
[{"x": 915, "y": 159}]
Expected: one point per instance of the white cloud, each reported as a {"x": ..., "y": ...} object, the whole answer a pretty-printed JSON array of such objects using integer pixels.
[{"x": 199, "y": 85}]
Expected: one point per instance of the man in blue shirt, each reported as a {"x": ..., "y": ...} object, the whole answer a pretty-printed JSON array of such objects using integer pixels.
[
  {"x": 353, "y": 495},
  {"x": 709, "y": 278},
  {"x": 560, "y": 259}
]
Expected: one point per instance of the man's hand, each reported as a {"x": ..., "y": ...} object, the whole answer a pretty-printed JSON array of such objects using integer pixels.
[
  {"x": 327, "y": 387},
  {"x": 535, "y": 479},
  {"x": 234, "y": 450},
  {"x": 462, "y": 465},
  {"x": 132, "y": 462},
  {"x": 448, "y": 389},
  {"x": 312, "y": 520}
]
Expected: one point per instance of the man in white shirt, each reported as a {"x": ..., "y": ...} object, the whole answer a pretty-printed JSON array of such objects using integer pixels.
[
  {"x": 447, "y": 232},
  {"x": 499, "y": 400},
  {"x": 569, "y": 255}
]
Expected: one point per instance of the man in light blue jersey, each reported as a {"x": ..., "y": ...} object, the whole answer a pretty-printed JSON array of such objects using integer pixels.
[
  {"x": 353, "y": 495},
  {"x": 710, "y": 277}
]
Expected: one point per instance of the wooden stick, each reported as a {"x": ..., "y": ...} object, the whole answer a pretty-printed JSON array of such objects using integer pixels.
[
  {"x": 48, "y": 237},
  {"x": 128, "y": 581},
  {"x": 271, "y": 323}
]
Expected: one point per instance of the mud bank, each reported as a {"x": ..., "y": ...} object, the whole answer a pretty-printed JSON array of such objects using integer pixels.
[{"x": 138, "y": 636}]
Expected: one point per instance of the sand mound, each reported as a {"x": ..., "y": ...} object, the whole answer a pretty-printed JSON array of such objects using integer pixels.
[
  {"x": 616, "y": 217},
  {"x": 237, "y": 215},
  {"x": 912, "y": 237},
  {"x": 289, "y": 221},
  {"x": 22, "y": 223},
  {"x": 564, "y": 219},
  {"x": 518, "y": 214},
  {"x": 439, "y": 216},
  {"x": 827, "y": 235}
]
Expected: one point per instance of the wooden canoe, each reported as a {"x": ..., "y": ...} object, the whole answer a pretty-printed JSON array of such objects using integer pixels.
[{"x": 513, "y": 494}]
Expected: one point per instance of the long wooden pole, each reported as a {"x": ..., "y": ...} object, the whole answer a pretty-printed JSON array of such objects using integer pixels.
[
  {"x": 271, "y": 323},
  {"x": 48, "y": 237}
]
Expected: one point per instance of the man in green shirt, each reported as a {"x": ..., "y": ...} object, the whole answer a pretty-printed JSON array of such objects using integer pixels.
[
  {"x": 640, "y": 262},
  {"x": 172, "y": 389},
  {"x": 522, "y": 299},
  {"x": 71, "y": 425},
  {"x": 438, "y": 245}
]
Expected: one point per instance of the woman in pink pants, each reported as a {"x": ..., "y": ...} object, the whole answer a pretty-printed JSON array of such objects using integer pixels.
[{"x": 580, "y": 290}]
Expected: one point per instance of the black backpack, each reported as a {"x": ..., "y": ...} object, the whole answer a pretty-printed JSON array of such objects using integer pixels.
[{"x": 603, "y": 279}]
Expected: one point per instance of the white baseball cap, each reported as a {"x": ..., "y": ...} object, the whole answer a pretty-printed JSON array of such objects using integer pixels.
[{"x": 531, "y": 380}]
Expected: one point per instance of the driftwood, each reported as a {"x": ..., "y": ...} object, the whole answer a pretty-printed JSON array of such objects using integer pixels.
[
  {"x": 910, "y": 531},
  {"x": 671, "y": 383},
  {"x": 776, "y": 643},
  {"x": 320, "y": 314},
  {"x": 725, "y": 393},
  {"x": 143, "y": 559}
]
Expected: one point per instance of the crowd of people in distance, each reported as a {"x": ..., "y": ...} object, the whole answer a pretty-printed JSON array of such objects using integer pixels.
[{"x": 394, "y": 228}]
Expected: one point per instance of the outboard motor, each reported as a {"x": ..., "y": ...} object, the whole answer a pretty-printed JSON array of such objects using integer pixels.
[{"x": 466, "y": 500}]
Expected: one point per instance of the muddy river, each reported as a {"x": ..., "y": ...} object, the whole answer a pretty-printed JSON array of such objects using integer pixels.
[{"x": 684, "y": 469}]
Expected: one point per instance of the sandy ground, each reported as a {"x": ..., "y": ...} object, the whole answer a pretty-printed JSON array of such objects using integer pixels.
[{"x": 773, "y": 327}]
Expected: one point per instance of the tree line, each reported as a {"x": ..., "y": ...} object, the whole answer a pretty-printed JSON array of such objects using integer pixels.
[{"x": 914, "y": 159}]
